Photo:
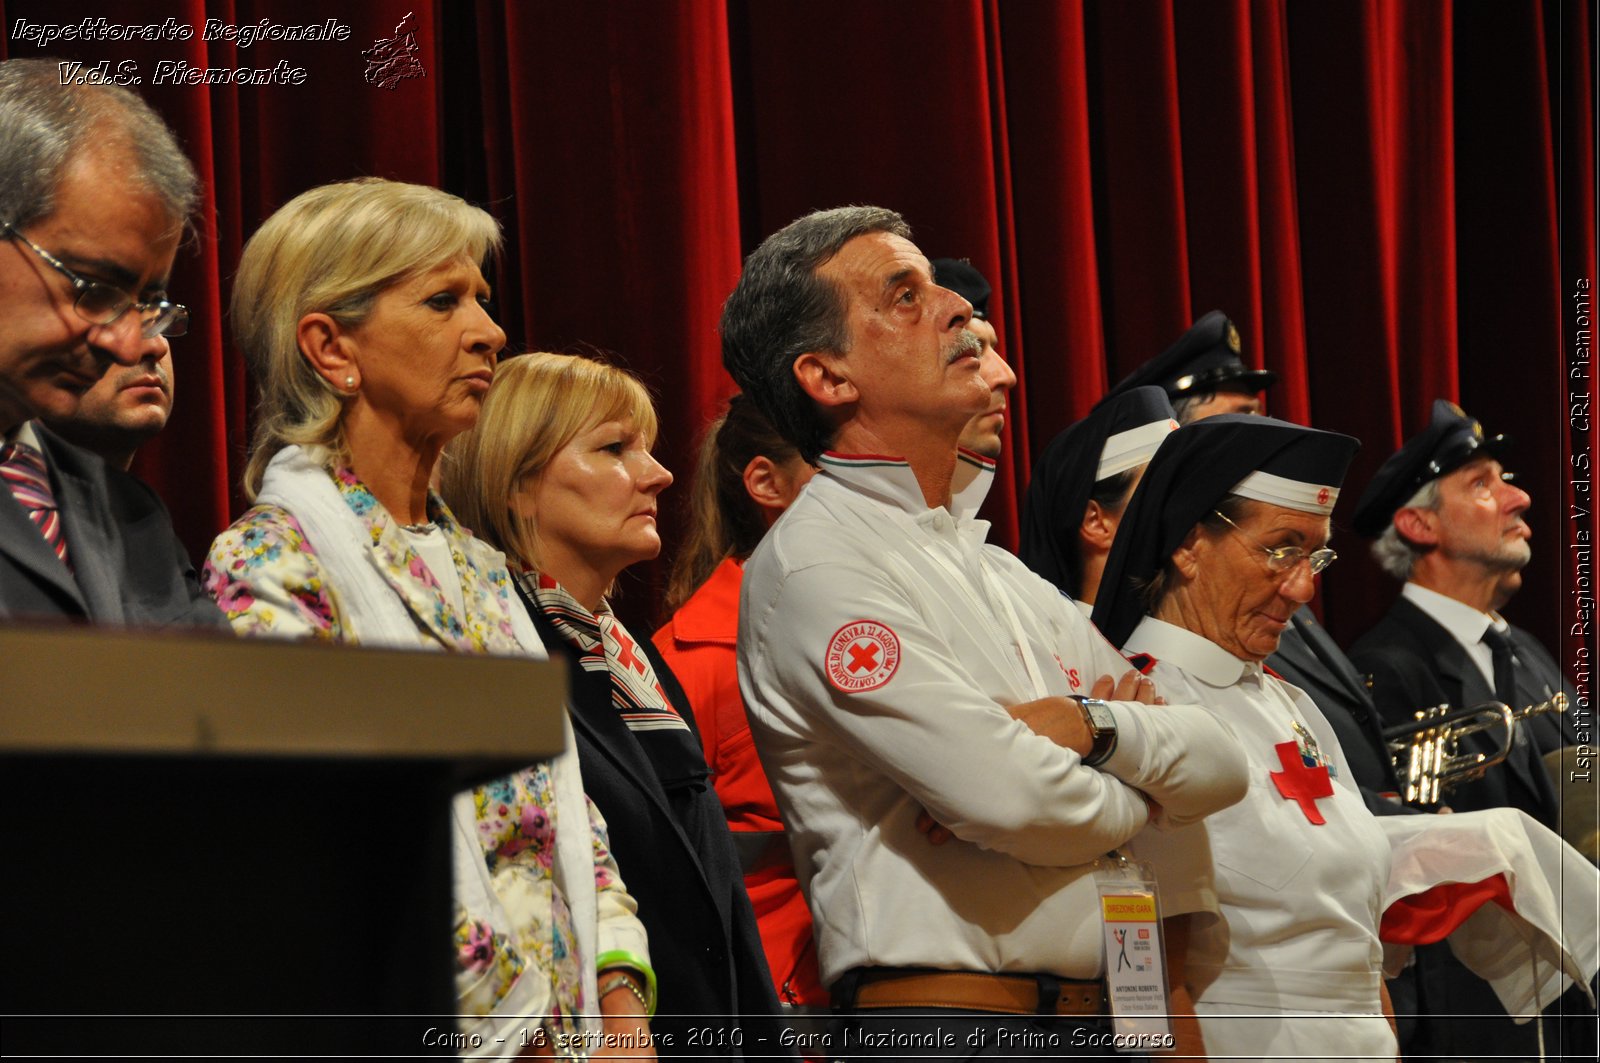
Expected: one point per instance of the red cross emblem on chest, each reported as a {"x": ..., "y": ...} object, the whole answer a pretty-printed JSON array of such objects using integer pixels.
[{"x": 1300, "y": 783}]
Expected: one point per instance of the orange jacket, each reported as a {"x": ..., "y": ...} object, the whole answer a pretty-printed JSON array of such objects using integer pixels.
[{"x": 698, "y": 644}]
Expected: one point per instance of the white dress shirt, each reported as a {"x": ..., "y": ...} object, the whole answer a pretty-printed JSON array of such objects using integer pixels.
[{"x": 1465, "y": 624}]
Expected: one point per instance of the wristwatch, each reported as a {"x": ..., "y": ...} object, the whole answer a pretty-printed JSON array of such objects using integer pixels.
[{"x": 1102, "y": 728}]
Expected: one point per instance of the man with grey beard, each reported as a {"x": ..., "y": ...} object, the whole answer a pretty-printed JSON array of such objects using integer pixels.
[
  {"x": 926, "y": 707},
  {"x": 128, "y": 407},
  {"x": 1448, "y": 522}
]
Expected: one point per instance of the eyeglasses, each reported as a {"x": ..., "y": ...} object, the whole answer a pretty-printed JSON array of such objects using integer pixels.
[
  {"x": 1286, "y": 558},
  {"x": 103, "y": 304}
]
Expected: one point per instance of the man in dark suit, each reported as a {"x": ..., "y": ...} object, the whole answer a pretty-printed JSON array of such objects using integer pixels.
[
  {"x": 94, "y": 197},
  {"x": 128, "y": 408},
  {"x": 1449, "y": 523}
]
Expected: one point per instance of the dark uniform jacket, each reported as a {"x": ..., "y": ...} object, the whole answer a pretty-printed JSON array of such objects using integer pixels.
[
  {"x": 128, "y": 566},
  {"x": 1416, "y": 663},
  {"x": 680, "y": 865}
]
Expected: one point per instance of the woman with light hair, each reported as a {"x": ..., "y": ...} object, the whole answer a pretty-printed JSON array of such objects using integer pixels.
[
  {"x": 361, "y": 309},
  {"x": 558, "y": 473}
]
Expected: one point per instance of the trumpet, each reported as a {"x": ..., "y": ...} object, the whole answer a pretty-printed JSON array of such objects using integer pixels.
[{"x": 1427, "y": 752}]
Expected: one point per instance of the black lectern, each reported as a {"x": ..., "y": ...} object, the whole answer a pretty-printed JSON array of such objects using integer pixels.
[{"x": 240, "y": 846}]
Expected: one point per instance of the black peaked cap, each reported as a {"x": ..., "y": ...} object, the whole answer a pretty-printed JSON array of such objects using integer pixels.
[
  {"x": 1203, "y": 360},
  {"x": 1450, "y": 441}
]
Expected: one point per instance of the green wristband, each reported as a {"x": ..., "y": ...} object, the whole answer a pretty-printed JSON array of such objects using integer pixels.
[{"x": 620, "y": 958}]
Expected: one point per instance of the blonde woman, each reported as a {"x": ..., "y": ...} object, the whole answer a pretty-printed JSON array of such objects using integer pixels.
[
  {"x": 558, "y": 473},
  {"x": 360, "y": 307}
]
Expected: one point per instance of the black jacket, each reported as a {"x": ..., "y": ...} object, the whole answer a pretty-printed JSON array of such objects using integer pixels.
[
  {"x": 127, "y": 564},
  {"x": 704, "y": 944},
  {"x": 1415, "y": 664}
]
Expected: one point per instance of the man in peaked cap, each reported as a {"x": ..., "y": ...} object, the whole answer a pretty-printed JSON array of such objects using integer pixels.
[
  {"x": 1448, "y": 522},
  {"x": 1203, "y": 373}
]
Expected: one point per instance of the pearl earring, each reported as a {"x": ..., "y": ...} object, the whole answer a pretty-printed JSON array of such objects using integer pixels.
[{"x": 349, "y": 383}]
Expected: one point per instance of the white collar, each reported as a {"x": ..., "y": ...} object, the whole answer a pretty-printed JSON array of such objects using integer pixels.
[
  {"x": 890, "y": 480},
  {"x": 1197, "y": 655},
  {"x": 1465, "y": 624},
  {"x": 975, "y": 475},
  {"x": 24, "y": 433}
]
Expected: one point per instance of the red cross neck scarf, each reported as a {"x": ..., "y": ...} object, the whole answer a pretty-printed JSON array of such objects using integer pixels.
[{"x": 602, "y": 644}]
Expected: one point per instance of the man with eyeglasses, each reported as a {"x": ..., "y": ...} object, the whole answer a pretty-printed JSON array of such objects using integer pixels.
[
  {"x": 129, "y": 404},
  {"x": 94, "y": 197}
]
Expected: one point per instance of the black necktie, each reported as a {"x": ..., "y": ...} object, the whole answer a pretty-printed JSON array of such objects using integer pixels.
[
  {"x": 1544, "y": 731},
  {"x": 1505, "y": 682},
  {"x": 1524, "y": 751}
]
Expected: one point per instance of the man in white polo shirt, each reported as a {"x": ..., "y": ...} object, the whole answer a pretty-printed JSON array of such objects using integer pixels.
[{"x": 893, "y": 663}]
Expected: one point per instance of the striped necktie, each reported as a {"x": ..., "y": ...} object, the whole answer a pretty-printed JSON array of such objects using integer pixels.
[{"x": 23, "y": 470}]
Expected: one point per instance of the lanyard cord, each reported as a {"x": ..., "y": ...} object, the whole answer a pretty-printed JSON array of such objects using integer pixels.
[
  {"x": 1538, "y": 1005},
  {"x": 1018, "y": 638}
]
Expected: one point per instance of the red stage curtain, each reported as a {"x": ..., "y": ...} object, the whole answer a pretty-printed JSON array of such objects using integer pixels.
[{"x": 1393, "y": 199}]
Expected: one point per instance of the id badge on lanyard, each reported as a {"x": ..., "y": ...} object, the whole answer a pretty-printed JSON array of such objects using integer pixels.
[{"x": 1136, "y": 961}]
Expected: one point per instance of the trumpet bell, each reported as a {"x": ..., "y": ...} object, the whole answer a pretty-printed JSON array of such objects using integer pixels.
[{"x": 1428, "y": 754}]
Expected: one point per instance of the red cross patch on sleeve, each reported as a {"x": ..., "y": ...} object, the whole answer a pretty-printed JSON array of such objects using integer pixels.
[{"x": 862, "y": 655}]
